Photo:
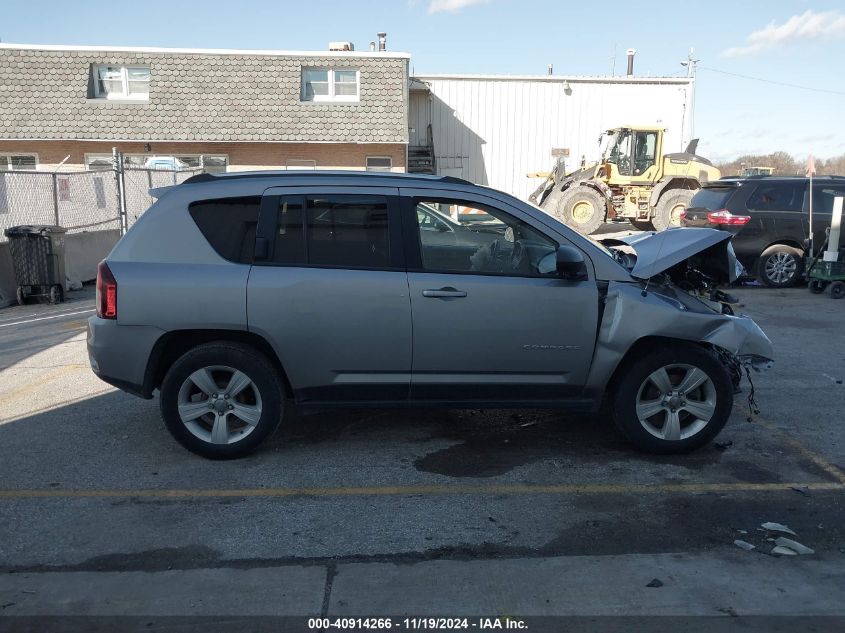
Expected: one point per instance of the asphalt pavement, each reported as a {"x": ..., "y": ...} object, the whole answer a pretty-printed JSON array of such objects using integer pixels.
[{"x": 418, "y": 512}]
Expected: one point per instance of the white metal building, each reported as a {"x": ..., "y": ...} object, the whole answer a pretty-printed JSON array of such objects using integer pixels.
[{"x": 493, "y": 130}]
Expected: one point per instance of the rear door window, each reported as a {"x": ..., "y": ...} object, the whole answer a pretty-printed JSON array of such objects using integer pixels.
[
  {"x": 777, "y": 197},
  {"x": 344, "y": 231},
  {"x": 711, "y": 199},
  {"x": 229, "y": 225}
]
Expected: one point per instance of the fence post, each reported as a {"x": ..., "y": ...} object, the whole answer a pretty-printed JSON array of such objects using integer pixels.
[
  {"x": 117, "y": 162},
  {"x": 56, "y": 199}
]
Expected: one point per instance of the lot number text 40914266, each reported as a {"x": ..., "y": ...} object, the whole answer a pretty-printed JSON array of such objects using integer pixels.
[{"x": 417, "y": 624}]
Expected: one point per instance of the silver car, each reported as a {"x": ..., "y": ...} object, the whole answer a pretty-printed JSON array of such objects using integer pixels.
[{"x": 238, "y": 295}]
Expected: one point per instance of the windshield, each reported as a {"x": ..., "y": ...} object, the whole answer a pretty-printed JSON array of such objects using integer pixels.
[
  {"x": 618, "y": 147},
  {"x": 608, "y": 141}
]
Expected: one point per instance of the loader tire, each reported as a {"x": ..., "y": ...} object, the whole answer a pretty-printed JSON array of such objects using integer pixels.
[
  {"x": 669, "y": 208},
  {"x": 582, "y": 209}
]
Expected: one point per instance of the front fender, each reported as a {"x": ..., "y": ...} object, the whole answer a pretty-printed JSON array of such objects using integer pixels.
[{"x": 629, "y": 317}]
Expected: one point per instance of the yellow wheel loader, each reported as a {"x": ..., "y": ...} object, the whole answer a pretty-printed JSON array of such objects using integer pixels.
[{"x": 635, "y": 181}]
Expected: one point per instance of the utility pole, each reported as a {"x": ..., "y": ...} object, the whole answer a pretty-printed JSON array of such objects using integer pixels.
[
  {"x": 613, "y": 62},
  {"x": 690, "y": 63}
]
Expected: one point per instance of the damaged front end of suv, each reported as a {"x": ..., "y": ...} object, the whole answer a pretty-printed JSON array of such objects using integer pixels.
[{"x": 677, "y": 296}]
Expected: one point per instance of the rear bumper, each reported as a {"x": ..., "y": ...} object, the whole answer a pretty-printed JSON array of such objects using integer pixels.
[{"x": 119, "y": 354}]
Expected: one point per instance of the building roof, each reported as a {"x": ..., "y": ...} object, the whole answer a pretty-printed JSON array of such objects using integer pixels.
[
  {"x": 617, "y": 79},
  {"x": 205, "y": 51},
  {"x": 199, "y": 95}
]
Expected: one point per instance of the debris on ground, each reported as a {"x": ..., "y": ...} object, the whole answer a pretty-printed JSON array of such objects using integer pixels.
[
  {"x": 795, "y": 546},
  {"x": 783, "y": 551},
  {"x": 777, "y": 527},
  {"x": 803, "y": 491},
  {"x": 655, "y": 582},
  {"x": 744, "y": 545},
  {"x": 728, "y": 611},
  {"x": 723, "y": 446},
  {"x": 528, "y": 424}
]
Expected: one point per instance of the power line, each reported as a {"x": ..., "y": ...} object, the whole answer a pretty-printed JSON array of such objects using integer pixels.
[{"x": 771, "y": 81}]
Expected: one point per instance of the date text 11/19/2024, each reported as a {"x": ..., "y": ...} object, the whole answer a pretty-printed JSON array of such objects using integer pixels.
[{"x": 417, "y": 624}]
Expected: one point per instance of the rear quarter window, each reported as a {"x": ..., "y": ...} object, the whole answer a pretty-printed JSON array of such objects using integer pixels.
[
  {"x": 229, "y": 225},
  {"x": 711, "y": 199}
]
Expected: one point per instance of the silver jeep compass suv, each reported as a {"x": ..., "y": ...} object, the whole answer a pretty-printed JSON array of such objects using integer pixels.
[{"x": 236, "y": 294}]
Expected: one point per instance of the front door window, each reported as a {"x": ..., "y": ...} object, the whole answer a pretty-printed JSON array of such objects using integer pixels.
[{"x": 497, "y": 243}]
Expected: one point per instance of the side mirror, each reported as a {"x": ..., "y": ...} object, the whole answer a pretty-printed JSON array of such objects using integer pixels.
[{"x": 570, "y": 263}]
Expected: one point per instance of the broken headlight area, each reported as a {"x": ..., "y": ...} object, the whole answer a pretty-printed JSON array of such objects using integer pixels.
[
  {"x": 757, "y": 363},
  {"x": 736, "y": 366}
]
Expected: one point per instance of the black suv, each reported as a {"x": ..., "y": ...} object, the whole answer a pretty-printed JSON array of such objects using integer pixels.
[{"x": 770, "y": 219}]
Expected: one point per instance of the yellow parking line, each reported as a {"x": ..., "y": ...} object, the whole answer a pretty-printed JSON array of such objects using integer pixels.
[
  {"x": 810, "y": 454},
  {"x": 38, "y": 383},
  {"x": 438, "y": 489}
]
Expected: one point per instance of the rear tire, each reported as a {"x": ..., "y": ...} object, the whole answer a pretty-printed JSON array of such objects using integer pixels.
[
  {"x": 780, "y": 266},
  {"x": 668, "y": 210},
  {"x": 582, "y": 209},
  {"x": 837, "y": 290},
  {"x": 221, "y": 400},
  {"x": 20, "y": 296},
  {"x": 665, "y": 415}
]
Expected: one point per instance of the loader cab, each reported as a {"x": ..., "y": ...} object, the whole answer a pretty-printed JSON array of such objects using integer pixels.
[{"x": 631, "y": 155}]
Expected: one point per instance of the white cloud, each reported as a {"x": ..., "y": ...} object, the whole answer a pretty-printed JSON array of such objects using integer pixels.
[
  {"x": 452, "y": 6},
  {"x": 807, "y": 26}
]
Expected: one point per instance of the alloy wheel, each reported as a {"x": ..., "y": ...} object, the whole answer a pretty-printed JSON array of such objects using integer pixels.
[
  {"x": 676, "y": 401},
  {"x": 219, "y": 404},
  {"x": 780, "y": 267}
]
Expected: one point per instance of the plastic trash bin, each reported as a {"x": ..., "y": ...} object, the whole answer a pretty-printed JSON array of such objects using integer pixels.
[{"x": 38, "y": 256}]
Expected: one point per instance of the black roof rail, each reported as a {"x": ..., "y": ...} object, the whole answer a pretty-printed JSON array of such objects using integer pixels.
[{"x": 206, "y": 177}]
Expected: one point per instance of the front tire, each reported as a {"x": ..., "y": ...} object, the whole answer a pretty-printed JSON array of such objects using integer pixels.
[
  {"x": 669, "y": 208},
  {"x": 673, "y": 399},
  {"x": 581, "y": 208},
  {"x": 221, "y": 400},
  {"x": 780, "y": 266}
]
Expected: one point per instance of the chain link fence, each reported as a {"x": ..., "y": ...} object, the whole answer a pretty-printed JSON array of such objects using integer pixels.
[
  {"x": 137, "y": 185},
  {"x": 82, "y": 201}
]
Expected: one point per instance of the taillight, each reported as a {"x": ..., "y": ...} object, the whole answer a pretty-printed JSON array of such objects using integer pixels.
[
  {"x": 106, "y": 292},
  {"x": 723, "y": 216}
]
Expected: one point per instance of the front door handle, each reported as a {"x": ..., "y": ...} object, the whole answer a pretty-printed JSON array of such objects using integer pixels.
[{"x": 445, "y": 293}]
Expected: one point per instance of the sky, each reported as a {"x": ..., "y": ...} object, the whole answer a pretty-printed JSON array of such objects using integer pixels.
[{"x": 797, "y": 42}]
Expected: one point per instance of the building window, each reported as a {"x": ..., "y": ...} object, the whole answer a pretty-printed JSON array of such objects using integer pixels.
[
  {"x": 18, "y": 162},
  {"x": 121, "y": 82},
  {"x": 212, "y": 163},
  {"x": 330, "y": 84},
  {"x": 299, "y": 163},
  {"x": 379, "y": 163},
  {"x": 98, "y": 161}
]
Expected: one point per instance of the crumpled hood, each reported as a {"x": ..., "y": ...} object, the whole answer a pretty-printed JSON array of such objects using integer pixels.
[{"x": 657, "y": 252}]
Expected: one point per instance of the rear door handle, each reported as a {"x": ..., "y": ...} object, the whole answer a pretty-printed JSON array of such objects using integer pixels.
[{"x": 445, "y": 293}]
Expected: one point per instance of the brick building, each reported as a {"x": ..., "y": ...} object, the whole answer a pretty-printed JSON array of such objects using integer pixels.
[{"x": 223, "y": 109}]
